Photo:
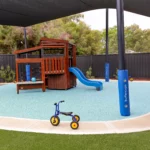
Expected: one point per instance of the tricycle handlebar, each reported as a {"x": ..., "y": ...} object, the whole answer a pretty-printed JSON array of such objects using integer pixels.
[{"x": 59, "y": 102}]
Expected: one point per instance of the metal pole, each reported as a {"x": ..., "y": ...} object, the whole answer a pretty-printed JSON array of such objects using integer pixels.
[
  {"x": 120, "y": 25},
  {"x": 107, "y": 44},
  {"x": 107, "y": 34},
  {"x": 25, "y": 38},
  {"x": 28, "y": 77},
  {"x": 122, "y": 73}
]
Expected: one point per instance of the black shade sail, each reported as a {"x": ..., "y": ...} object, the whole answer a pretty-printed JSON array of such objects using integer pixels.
[{"x": 30, "y": 12}]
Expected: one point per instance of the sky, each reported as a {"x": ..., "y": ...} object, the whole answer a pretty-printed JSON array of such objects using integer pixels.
[{"x": 96, "y": 19}]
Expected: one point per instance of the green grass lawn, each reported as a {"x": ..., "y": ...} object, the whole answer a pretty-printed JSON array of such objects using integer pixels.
[{"x": 10, "y": 140}]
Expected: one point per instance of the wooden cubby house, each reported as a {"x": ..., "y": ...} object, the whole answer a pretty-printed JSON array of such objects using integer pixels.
[{"x": 54, "y": 57}]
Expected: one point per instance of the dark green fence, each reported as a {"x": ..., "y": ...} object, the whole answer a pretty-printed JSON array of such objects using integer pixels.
[{"x": 137, "y": 64}]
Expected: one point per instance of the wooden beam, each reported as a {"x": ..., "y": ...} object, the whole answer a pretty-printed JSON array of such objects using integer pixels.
[
  {"x": 53, "y": 46},
  {"x": 29, "y": 60},
  {"x": 27, "y": 50},
  {"x": 37, "y": 48},
  {"x": 53, "y": 40}
]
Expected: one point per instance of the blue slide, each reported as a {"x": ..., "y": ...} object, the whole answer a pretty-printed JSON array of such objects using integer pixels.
[{"x": 78, "y": 73}]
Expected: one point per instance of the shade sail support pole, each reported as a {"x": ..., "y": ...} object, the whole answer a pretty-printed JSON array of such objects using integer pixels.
[
  {"x": 122, "y": 72},
  {"x": 107, "y": 65}
]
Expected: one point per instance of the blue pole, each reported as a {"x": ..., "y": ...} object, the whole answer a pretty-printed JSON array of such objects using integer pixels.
[
  {"x": 107, "y": 72},
  {"x": 28, "y": 78},
  {"x": 106, "y": 60},
  {"x": 123, "y": 86},
  {"x": 122, "y": 72}
]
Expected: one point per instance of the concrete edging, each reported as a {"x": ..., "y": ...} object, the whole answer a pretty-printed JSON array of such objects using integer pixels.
[{"x": 138, "y": 124}]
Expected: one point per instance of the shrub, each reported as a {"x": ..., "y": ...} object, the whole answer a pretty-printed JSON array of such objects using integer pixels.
[
  {"x": 7, "y": 74},
  {"x": 116, "y": 74},
  {"x": 89, "y": 73}
]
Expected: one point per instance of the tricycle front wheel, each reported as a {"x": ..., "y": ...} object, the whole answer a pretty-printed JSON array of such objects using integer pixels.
[
  {"x": 74, "y": 125},
  {"x": 55, "y": 120}
]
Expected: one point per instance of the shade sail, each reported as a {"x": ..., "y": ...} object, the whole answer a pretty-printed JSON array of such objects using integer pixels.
[{"x": 30, "y": 12}]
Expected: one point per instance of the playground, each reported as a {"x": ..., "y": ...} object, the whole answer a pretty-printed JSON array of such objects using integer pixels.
[
  {"x": 41, "y": 82},
  {"x": 90, "y": 104},
  {"x": 28, "y": 104},
  {"x": 58, "y": 71},
  {"x": 31, "y": 110}
]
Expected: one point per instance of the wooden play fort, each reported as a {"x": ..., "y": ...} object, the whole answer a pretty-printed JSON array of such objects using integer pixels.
[{"x": 53, "y": 58}]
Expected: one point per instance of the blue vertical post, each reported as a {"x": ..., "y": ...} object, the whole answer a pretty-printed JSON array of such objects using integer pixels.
[
  {"x": 28, "y": 73},
  {"x": 106, "y": 60},
  {"x": 106, "y": 72},
  {"x": 124, "y": 92},
  {"x": 123, "y": 84},
  {"x": 28, "y": 78}
]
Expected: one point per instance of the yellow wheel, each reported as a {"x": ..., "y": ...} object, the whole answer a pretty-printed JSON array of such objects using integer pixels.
[
  {"x": 74, "y": 125},
  {"x": 55, "y": 120},
  {"x": 76, "y": 117}
]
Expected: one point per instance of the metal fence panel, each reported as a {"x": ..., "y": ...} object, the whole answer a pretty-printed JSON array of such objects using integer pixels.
[
  {"x": 138, "y": 64},
  {"x": 113, "y": 60},
  {"x": 7, "y": 60},
  {"x": 84, "y": 62},
  {"x": 98, "y": 62}
]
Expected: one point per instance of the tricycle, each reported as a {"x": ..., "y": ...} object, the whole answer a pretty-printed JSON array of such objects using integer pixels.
[{"x": 55, "y": 120}]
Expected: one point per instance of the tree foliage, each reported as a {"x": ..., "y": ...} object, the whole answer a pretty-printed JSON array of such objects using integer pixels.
[
  {"x": 7, "y": 74},
  {"x": 72, "y": 28}
]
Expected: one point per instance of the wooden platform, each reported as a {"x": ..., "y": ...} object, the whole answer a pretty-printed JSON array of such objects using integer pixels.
[{"x": 30, "y": 85}]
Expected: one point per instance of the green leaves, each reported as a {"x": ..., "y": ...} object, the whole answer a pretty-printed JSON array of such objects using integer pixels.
[
  {"x": 72, "y": 28},
  {"x": 89, "y": 73},
  {"x": 7, "y": 74}
]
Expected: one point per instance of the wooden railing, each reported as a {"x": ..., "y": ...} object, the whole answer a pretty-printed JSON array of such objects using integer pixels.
[{"x": 54, "y": 65}]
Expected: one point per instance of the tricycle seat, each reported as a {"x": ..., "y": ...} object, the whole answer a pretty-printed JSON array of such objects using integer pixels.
[{"x": 66, "y": 113}]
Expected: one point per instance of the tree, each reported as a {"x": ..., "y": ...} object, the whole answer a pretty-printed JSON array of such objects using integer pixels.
[
  {"x": 4, "y": 41},
  {"x": 69, "y": 28},
  {"x": 133, "y": 36},
  {"x": 73, "y": 29},
  {"x": 113, "y": 43},
  {"x": 87, "y": 41}
]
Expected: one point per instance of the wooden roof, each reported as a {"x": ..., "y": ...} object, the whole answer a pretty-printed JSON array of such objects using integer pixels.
[{"x": 44, "y": 43}]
